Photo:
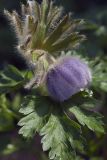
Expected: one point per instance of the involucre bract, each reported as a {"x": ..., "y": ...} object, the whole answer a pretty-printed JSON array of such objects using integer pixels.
[{"x": 67, "y": 77}]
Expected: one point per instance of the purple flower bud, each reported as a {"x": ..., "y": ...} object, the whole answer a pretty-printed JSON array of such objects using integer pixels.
[{"x": 67, "y": 77}]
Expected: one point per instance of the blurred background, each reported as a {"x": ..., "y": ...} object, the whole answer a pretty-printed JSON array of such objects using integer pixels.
[{"x": 12, "y": 146}]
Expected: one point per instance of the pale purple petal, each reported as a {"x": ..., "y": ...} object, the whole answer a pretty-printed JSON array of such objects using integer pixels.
[{"x": 67, "y": 77}]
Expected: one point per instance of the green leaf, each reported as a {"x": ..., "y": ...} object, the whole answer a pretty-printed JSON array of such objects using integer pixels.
[
  {"x": 55, "y": 139},
  {"x": 36, "y": 110},
  {"x": 99, "y": 73},
  {"x": 11, "y": 79},
  {"x": 13, "y": 73},
  {"x": 70, "y": 41},
  {"x": 91, "y": 120},
  {"x": 44, "y": 11},
  {"x": 84, "y": 99},
  {"x": 38, "y": 37},
  {"x": 54, "y": 15},
  {"x": 60, "y": 136},
  {"x": 59, "y": 30},
  {"x": 6, "y": 115},
  {"x": 28, "y": 105},
  {"x": 104, "y": 85}
]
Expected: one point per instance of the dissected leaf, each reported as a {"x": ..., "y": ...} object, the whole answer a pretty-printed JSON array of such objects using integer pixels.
[
  {"x": 36, "y": 112},
  {"x": 92, "y": 120},
  {"x": 60, "y": 136}
]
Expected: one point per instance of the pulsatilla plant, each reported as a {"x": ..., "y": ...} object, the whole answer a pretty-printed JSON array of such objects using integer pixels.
[{"x": 59, "y": 102}]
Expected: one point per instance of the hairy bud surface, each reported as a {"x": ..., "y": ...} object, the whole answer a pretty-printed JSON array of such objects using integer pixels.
[{"x": 68, "y": 76}]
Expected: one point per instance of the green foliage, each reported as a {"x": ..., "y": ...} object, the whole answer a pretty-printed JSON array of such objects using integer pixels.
[
  {"x": 91, "y": 120},
  {"x": 6, "y": 115},
  {"x": 11, "y": 79},
  {"x": 60, "y": 125},
  {"x": 61, "y": 135},
  {"x": 99, "y": 74},
  {"x": 58, "y": 138},
  {"x": 36, "y": 112}
]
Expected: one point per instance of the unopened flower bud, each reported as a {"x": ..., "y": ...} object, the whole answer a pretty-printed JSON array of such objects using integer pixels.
[{"x": 67, "y": 77}]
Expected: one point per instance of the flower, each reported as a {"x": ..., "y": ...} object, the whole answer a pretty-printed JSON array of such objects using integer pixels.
[{"x": 67, "y": 77}]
